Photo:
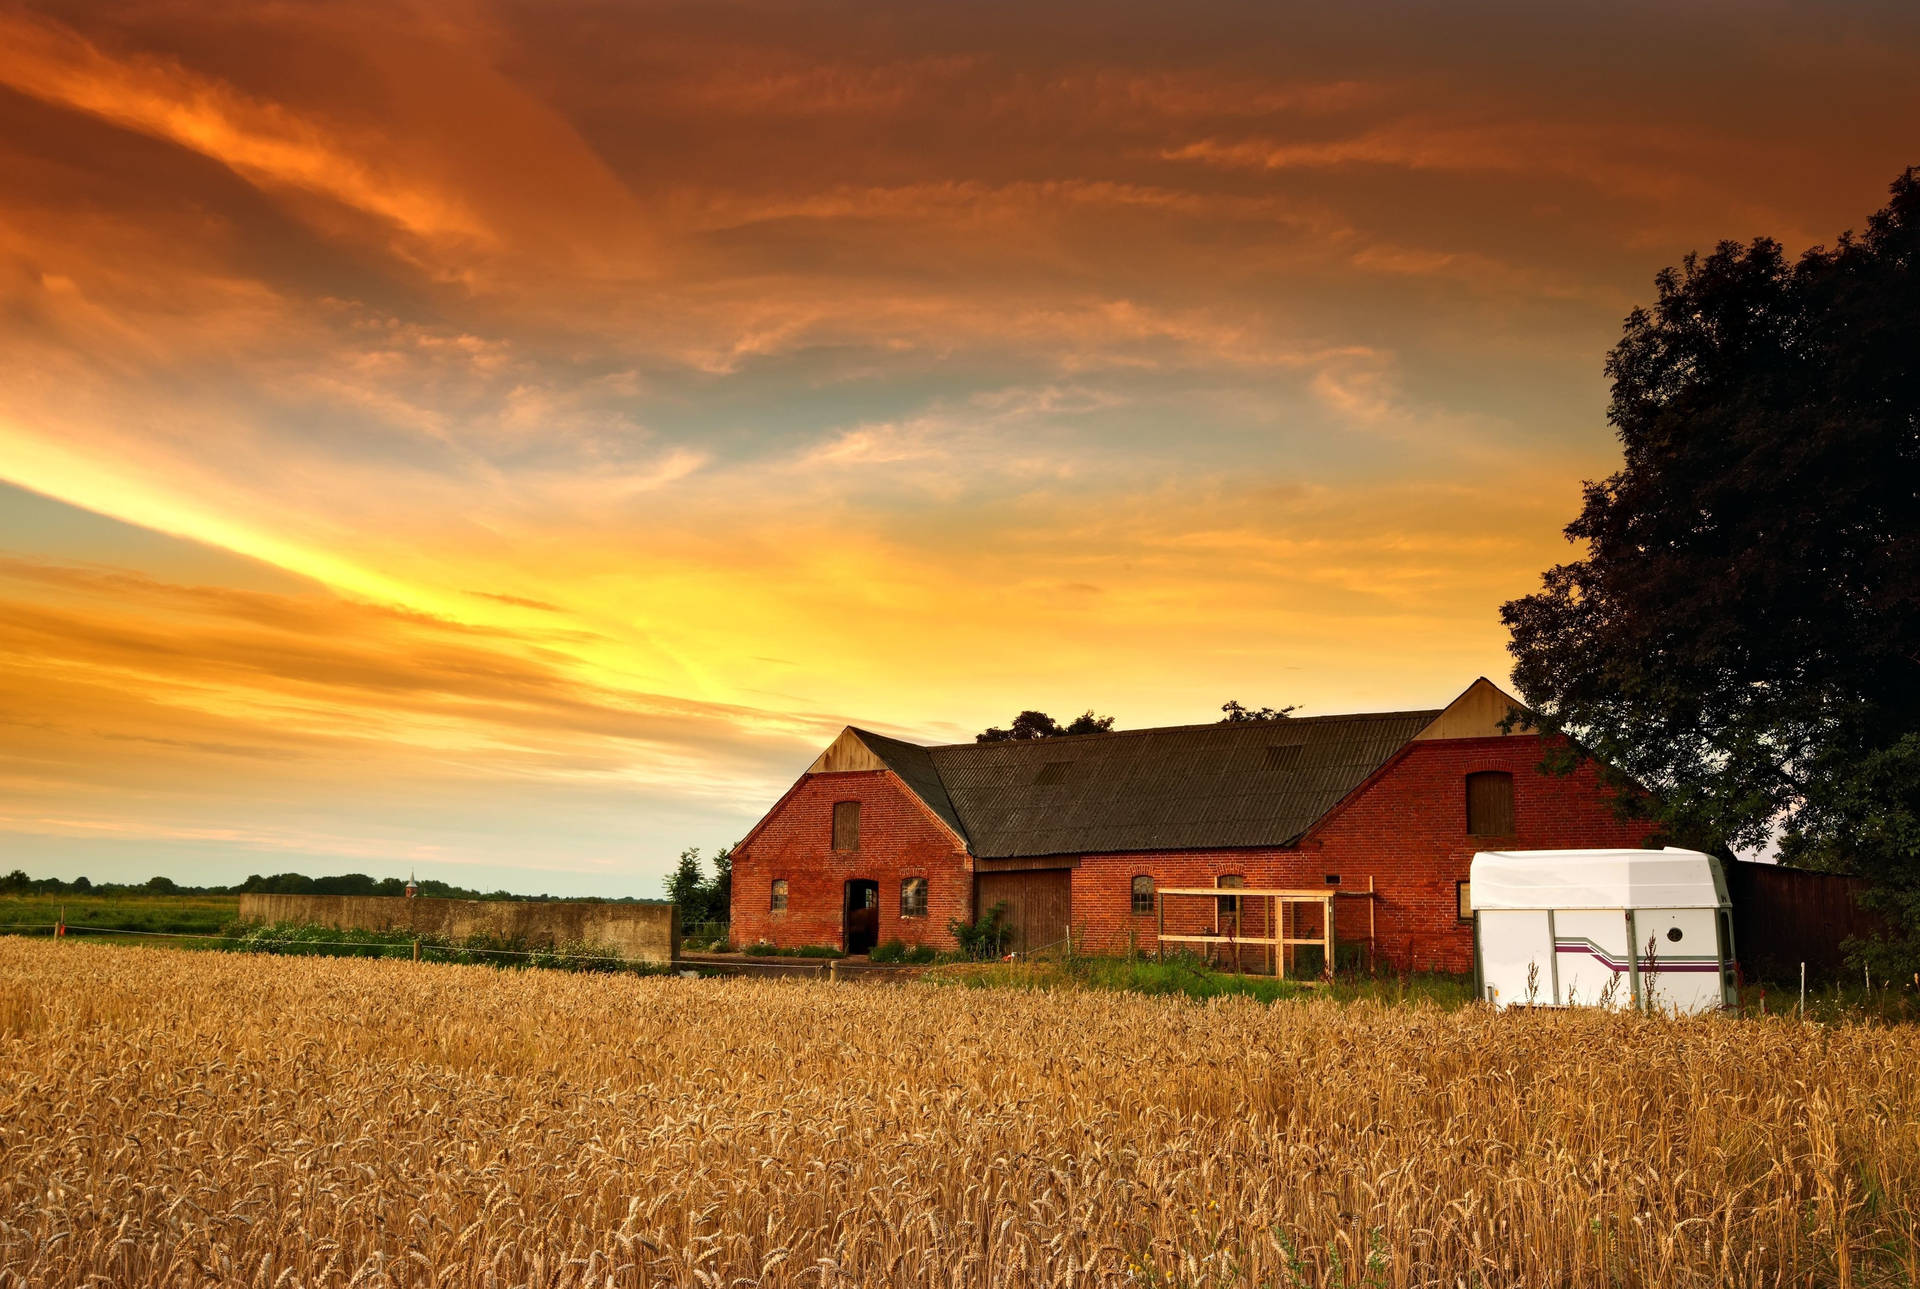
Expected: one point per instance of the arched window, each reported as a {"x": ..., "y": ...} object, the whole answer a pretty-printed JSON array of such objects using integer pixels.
[
  {"x": 913, "y": 897},
  {"x": 1229, "y": 904},
  {"x": 1490, "y": 804},
  {"x": 777, "y": 899},
  {"x": 1142, "y": 895}
]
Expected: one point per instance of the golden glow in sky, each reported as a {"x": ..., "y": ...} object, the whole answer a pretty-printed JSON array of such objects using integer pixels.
[{"x": 507, "y": 441}]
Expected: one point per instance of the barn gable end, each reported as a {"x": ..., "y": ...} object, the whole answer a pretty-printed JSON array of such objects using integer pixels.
[{"x": 1479, "y": 712}]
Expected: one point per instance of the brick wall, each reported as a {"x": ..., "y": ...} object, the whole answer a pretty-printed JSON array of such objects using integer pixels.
[
  {"x": 899, "y": 838},
  {"x": 1406, "y": 829}
]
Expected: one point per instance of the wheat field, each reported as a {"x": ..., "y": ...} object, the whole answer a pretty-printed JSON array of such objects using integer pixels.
[{"x": 202, "y": 1119}]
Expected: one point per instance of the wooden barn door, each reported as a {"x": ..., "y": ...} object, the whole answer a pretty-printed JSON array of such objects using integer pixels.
[{"x": 1039, "y": 904}]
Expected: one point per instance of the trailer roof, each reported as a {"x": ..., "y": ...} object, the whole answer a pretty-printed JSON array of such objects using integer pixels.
[{"x": 1597, "y": 879}]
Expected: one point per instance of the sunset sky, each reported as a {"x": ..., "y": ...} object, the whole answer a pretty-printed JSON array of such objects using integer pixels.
[{"x": 505, "y": 442}]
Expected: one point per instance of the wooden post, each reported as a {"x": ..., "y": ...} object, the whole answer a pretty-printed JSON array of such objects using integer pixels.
[
  {"x": 1280, "y": 950},
  {"x": 1160, "y": 931},
  {"x": 1326, "y": 913},
  {"x": 1373, "y": 932},
  {"x": 416, "y": 950}
]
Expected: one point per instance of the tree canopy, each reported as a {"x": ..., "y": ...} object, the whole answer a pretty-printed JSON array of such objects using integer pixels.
[
  {"x": 1031, "y": 725},
  {"x": 1237, "y": 714},
  {"x": 1742, "y": 636},
  {"x": 702, "y": 899}
]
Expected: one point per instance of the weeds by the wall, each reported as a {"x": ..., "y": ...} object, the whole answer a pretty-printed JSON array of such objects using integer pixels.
[
  {"x": 291, "y": 939},
  {"x": 764, "y": 949},
  {"x": 899, "y": 951}
]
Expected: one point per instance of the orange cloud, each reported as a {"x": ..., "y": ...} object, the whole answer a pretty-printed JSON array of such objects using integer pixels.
[{"x": 263, "y": 141}]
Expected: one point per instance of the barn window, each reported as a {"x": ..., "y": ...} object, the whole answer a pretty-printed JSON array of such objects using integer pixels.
[
  {"x": 1463, "y": 896},
  {"x": 1333, "y": 879},
  {"x": 913, "y": 897},
  {"x": 1490, "y": 804},
  {"x": 846, "y": 825},
  {"x": 1230, "y": 904},
  {"x": 777, "y": 899},
  {"x": 1143, "y": 894}
]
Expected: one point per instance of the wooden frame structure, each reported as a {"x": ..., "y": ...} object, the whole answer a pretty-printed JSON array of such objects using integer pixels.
[{"x": 1282, "y": 909}]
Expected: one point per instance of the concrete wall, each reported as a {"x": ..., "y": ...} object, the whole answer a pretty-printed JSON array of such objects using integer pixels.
[{"x": 645, "y": 932}]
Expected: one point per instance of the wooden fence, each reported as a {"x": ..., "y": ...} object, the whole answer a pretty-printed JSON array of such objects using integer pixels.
[{"x": 1783, "y": 917}]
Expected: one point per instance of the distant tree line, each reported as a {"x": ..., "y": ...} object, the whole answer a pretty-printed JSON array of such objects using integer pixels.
[
  {"x": 18, "y": 883},
  {"x": 1034, "y": 725}
]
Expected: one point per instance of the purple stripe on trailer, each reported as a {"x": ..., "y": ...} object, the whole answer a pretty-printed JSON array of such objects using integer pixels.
[{"x": 1653, "y": 966}]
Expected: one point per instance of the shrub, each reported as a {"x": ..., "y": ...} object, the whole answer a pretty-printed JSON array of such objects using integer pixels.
[
  {"x": 985, "y": 939},
  {"x": 901, "y": 951}
]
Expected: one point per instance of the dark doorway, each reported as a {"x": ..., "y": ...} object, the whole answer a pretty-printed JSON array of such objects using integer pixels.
[{"x": 863, "y": 915}]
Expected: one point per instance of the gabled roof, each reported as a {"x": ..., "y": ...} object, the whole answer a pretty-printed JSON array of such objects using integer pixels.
[
  {"x": 1192, "y": 787},
  {"x": 1186, "y": 787},
  {"x": 915, "y": 766}
]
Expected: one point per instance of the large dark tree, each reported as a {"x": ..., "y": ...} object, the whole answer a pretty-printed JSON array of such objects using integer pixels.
[
  {"x": 1742, "y": 637},
  {"x": 1031, "y": 725}
]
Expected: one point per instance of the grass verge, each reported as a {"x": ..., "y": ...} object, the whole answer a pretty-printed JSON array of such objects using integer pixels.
[{"x": 1193, "y": 978}]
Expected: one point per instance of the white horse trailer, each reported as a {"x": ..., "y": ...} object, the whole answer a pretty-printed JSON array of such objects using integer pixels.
[{"x": 1613, "y": 928}]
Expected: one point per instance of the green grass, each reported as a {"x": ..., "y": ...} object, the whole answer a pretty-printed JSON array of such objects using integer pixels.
[
  {"x": 138, "y": 919},
  {"x": 1192, "y": 978},
  {"x": 1892, "y": 1001},
  {"x": 191, "y": 914}
]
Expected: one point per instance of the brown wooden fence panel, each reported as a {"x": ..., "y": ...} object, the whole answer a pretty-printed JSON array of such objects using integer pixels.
[
  {"x": 1783, "y": 917},
  {"x": 1039, "y": 904}
]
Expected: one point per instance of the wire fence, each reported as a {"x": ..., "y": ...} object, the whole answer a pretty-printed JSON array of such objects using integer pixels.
[
  {"x": 250, "y": 942},
  {"x": 418, "y": 949}
]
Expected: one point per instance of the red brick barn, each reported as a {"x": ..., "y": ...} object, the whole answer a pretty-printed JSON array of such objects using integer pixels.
[{"x": 883, "y": 840}]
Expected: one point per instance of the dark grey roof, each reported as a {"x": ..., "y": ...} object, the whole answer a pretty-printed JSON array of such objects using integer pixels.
[
  {"x": 1190, "y": 787},
  {"x": 914, "y": 764}
]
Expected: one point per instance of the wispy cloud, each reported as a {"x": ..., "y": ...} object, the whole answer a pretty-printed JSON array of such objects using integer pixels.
[{"x": 262, "y": 141}]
